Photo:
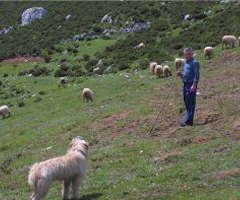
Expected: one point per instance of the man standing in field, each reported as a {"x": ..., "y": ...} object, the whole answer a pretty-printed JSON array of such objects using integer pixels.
[{"x": 190, "y": 77}]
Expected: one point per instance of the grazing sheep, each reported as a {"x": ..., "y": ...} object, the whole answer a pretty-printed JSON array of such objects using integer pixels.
[
  {"x": 97, "y": 70},
  {"x": 4, "y": 111},
  {"x": 228, "y": 41},
  {"x": 63, "y": 81},
  {"x": 152, "y": 66},
  {"x": 208, "y": 52},
  {"x": 167, "y": 71},
  {"x": 158, "y": 71},
  {"x": 140, "y": 46},
  {"x": 87, "y": 94},
  {"x": 179, "y": 62}
]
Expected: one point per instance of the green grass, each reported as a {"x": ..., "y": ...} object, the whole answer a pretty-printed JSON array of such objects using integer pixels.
[
  {"x": 85, "y": 48},
  {"x": 122, "y": 154}
]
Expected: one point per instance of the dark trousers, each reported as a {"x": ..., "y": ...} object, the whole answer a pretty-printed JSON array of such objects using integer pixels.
[{"x": 190, "y": 103}]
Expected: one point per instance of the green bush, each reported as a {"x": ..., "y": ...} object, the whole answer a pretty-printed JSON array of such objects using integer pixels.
[
  {"x": 37, "y": 99},
  {"x": 42, "y": 92},
  {"x": 86, "y": 57},
  {"x": 20, "y": 103},
  {"x": 64, "y": 67}
]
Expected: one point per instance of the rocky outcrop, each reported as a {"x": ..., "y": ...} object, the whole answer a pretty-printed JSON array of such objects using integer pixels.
[
  {"x": 135, "y": 27},
  {"x": 108, "y": 19},
  {"x": 68, "y": 16},
  {"x": 131, "y": 28},
  {"x": 108, "y": 32},
  {"x": 31, "y": 14},
  {"x": 6, "y": 30}
]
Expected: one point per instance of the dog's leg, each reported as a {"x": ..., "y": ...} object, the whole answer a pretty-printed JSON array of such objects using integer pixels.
[
  {"x": 75, "y": 187},
  {"x": 43, "y": 185},
  {"x": 65, "y": 189}
]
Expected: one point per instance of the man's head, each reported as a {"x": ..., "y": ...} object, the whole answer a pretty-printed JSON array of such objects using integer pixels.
[{"x": 188, "y": 53}]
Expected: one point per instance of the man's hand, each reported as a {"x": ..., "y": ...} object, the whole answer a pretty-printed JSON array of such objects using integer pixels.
[{"x": 193, "y": 88}]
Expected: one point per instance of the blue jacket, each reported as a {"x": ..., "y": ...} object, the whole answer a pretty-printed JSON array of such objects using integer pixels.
[{"x": 191, "y": 71}]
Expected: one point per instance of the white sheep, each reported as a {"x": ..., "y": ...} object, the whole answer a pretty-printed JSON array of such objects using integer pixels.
[
  {"x": 228, "y": 40},
  {"x": 4, "y": 110},
  {"x": 167, "y": 71},
  {"x": 97, "y": 70},
  {"x": 87, "y": 94},
  {"x": 208, "y": 52},
  {"x": 140, "y": 46},
  {"x": 63, "y": 81},
  {"x": 152, "y": 66},
  {"x": 179, "y": 62},
  {"x": 158, "y": 71}
]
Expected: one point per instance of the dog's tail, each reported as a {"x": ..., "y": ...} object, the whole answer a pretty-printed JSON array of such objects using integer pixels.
[{"x": 33, "y": 176}]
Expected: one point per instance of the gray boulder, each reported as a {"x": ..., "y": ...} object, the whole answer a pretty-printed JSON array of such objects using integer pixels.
[
  {"x": 108, "y": 19},
  {"x": 135, "y": 27},
  {"x": 99, "y": 62},
  {"x": 108, "y": 32},
  {"x": 6, "y": 30},
  {"x": 31, "y": 14},
  {"x": 108, "y": 70},
  {"x": 79, "y": 36},
  {"x": 67, "y": 17}
]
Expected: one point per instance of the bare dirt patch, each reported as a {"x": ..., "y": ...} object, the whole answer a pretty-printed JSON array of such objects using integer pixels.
[
  {"x": 111, "y": 123},
  {"x": 226, "y": 173},
  {"x": 167, "y": 156},
  {"x": 219, "y": 149},
  {"x": 25, "y": 59},
  {"x": 236, "y": 123},
  {"x": 208, "y": 117}
]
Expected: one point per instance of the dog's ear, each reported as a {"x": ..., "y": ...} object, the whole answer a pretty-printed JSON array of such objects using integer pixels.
[
  {"x": 71, "y": 144},
  {"x": 86, "y": 145}
]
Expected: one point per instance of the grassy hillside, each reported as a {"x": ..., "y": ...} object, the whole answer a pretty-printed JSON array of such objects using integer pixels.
[
  {"x": 126, "y": 162},
  {"x": 199, "y": 162},
  {"x": 85, "y": 17}
]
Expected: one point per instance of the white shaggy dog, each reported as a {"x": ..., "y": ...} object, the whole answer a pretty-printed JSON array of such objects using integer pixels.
[{"x": 71, "y": 169}]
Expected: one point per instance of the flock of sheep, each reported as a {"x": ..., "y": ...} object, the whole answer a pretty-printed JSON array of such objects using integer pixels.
[
  {"x": 159, "y": 70},
  {"x": 228, "y": 41}
]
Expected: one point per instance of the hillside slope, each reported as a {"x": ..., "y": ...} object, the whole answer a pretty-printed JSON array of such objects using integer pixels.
[
  {"x": 126, "y": 162},
  {"x": 199, "y": 162}
]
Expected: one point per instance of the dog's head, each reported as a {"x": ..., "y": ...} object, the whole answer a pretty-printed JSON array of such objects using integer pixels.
[{"x": 80, "y": 145}]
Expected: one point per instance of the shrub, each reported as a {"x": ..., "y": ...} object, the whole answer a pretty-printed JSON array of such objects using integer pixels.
[
  {"x": 37, "y": 99},
  {"x": 88, "y": 38},
  {"x": 38, "y": 71},
  {"x": 76, "y": 45},
  {"x": 59, "y": 49},
  {"x": 90, "y": 64},
  {"x": 97, "y": 29},
  {"x": 42, "y": 92},
  {"x": 86, "y": 57},
  {"x": 75, "y": 51},
  {"x": 22, "y": 73},
  {"x": 20, "y": 103},
  {"x": 47, "y": 58},
  {"x": 64, "y": 67},
  {"x": 5, "y": 75},
  {"x": 123, "y": 66},
  {"x": 61, "y": 73},
  {"x": 63, "y": 60},
  {"x": 105, "y": 37},
  {"x": 144, "y": 63}
]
